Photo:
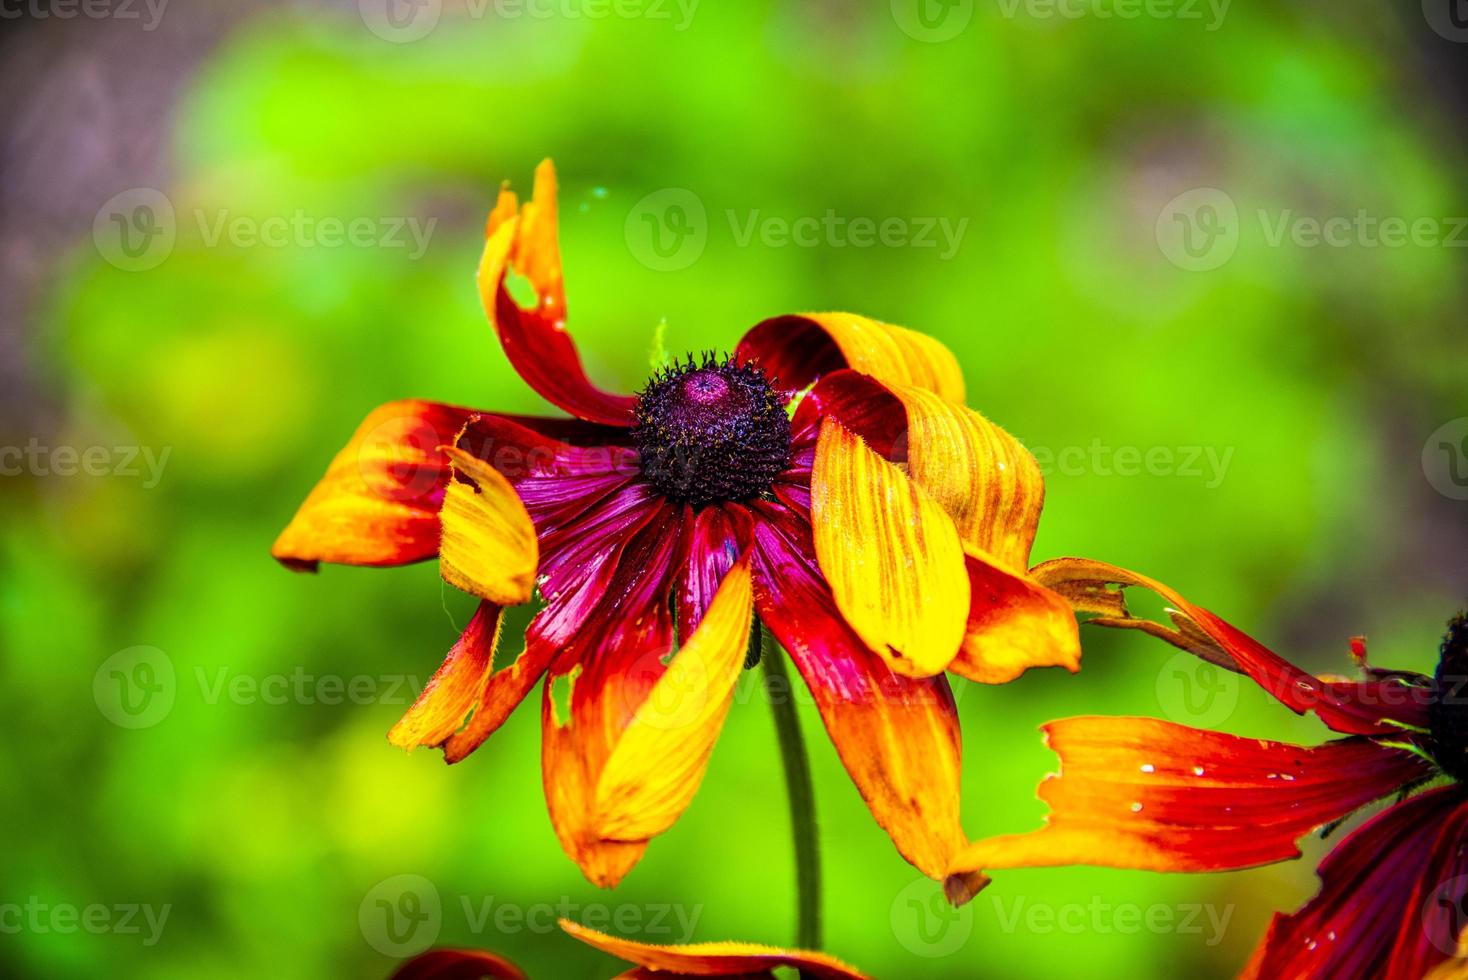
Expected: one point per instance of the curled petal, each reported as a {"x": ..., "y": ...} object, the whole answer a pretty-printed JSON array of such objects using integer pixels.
[
  {"x": 798, "y": 350},
  {"x": 489, "y": 547},
  {"x": 524, "y": 241},
  {"x": 1390, "y": 904},
  {"x": 457, "y": 964},
  {"x": 658, "y": 762},
  {"x": 1013, "y": 624},
  {"x": 1378, "y": 705},
  {"x": 1149, "y": 794},
  {"x": 452, "y": 692},
  {"x": 713, "y": 959},
  {"x": 897, "y": 736},
  {"x": 378, "y": 503},
  {"x": 891, "y": 555}
]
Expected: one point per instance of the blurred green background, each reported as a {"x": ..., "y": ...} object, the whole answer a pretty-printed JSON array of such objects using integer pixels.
[{"x": 1103, "y": 300}]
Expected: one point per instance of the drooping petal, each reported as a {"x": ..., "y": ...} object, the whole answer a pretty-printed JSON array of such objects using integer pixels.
[
  {"x": 457, "y": 964},
  {"x": 501, "y": 694},
  {"x": 993, "y": 489},
  {"x": 797, "y": 350},
  {"x": 612, "y": 660},
  {"x": 1014, "y": 624},
  {"x": 658, "y": 762},
  {"x": 1149, "y": 794},
  {"x": 891, "y": 555},
  {"x": 524, "y": 242},
  {"x": 379, "y": 500},
  {"x": 1378, "y": 705},
  {"x": 713, "y": 959},
  {"x": 452, "y": 692},
  {"x": 489, "y": 547},
  {"x": 897, "y": 736},
  {"x": 1368, "y": 901}
]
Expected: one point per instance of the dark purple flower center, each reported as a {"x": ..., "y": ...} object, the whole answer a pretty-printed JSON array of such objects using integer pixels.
[
  {"x": 1448, "y": 713},
  {"x": 710, "y": 431}
]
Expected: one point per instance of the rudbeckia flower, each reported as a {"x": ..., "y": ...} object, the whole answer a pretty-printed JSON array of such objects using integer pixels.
[
  {"x": 826, "y": 477},
  {"x": 1149, "y": 794},
  {"x": 648, "y": 961}
]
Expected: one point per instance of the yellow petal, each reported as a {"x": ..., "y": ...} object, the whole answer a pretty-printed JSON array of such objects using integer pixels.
[
  {"x": 489, "y": 547},
  {"x": 891, "y": 554},
  {"x": 658, "y": 763},
  {"x": 452, "y": 692}
]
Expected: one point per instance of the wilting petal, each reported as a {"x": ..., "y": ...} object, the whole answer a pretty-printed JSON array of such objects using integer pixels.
[
  {"x": 1379, "y": 891},
  {"x": 798, "y": 350},
  {"x": 535, "y": 340},
  {"x": 1372, "y": 707},
  {"x": 1013, "y": 624},
  {"x": 500, "y": 696},
  {"x": 658, "y": 762},
  {"x": 713, "y": 959},
  {"x": 379, "y": 500},
  {"x": 489, "y": 547},
  {"x": 613, "y": 661},
  {"x": 992, "y": 488},
  {"x": 522, "y": 447},
  {"x": 1149, "y": 794},
  {"x": 457, "y": 964},
  {"x": 452, "y": 692},
  {"x": 890, "y": 553},
  {"x": 897, "y": 736}
]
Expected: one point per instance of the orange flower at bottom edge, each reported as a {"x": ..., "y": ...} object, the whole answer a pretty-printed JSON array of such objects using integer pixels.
[
  {"x": 880, "y": 530},
  {"x": 649, "y": 961},
  {"x": 1153, "y": 795}
]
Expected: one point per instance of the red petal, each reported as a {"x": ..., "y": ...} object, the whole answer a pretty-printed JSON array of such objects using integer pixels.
[
  {"x": 379, "y": 500},
  {"x": 713, "y": 547},
  {"x": 1143, "y": 793},
  {"x": 453, "y": 691},
  {"x": 457, "y": 964},
  {"x": 1373, "y": 707},
  {"x": 897, "y": 736},
  {"x": 535, "y": 340},
  {"x": 1369, "y": 901}
]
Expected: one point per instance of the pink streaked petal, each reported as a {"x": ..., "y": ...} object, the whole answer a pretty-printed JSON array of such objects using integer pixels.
[
  {"x": 713, "y": 548},
  {"x": 1366, "y": 900}
]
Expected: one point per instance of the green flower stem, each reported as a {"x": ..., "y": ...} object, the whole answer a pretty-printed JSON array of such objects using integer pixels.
[{"x": 801, "y": 792}]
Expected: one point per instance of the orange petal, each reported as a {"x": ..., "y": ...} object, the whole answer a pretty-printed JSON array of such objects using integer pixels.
[
  {"x": 713, "y": 959},
  {"x": 657, "y": 764},
  {"x": 797, "y": 350},
  {"x": 890, "y": 553},
  {"x": 489, "y": 547},
  {"x": 1014, "y": 624},
  {"x": 897, "y": 736},
  {"x": 379, "y": 500},
  {"x": 535, "y": 340},
  {"x": 1149, "y": 794},
  {"x": 501, "y": 694},
  {"x": 451, "y": 693}
]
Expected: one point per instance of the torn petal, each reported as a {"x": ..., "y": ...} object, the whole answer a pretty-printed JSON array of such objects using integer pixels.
[
  {"x": 489, "y": 547},
  {"x": 452, "y": 692}
]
